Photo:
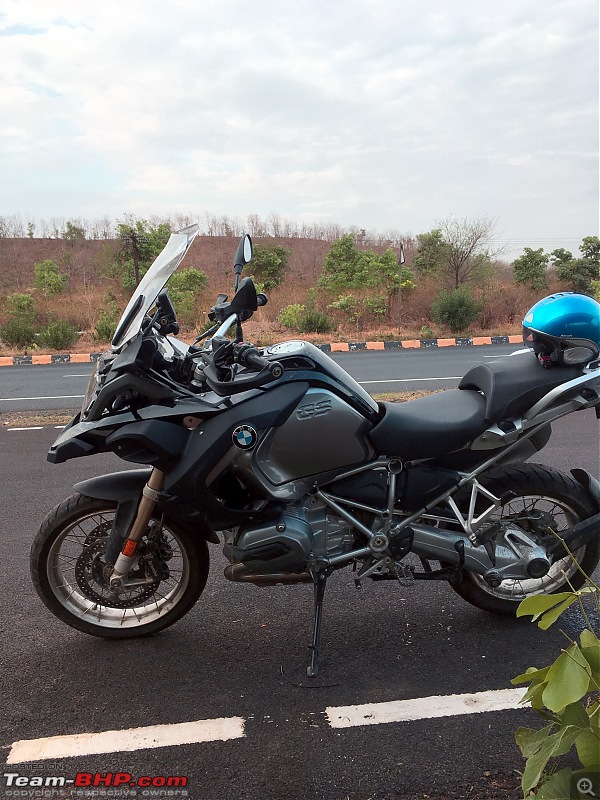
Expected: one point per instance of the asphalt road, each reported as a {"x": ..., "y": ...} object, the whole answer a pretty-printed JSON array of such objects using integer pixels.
[
  {"x": 225, "y": 658},
  {"x": 63, "y": 385}
]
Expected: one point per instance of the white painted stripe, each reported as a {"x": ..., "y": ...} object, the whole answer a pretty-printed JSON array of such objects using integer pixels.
[
  {"x": 32, "y": 428},
  {"x": 85, "y": 744},
  {"x": 78, "y": 375},
  {"x": 57, "y": 397},
  {"x": 423, "y": 708},
  {"x": 414, "y": 380}
]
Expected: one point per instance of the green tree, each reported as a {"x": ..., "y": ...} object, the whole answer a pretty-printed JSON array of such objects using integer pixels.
[
  {"x": 560, "y": 256},
  {"x": 590, "y": 248},
  {"x": 432, "y": 253},
  {"x": 579, "y": 273},
  {"x": 457, "y": 309},
  {"x": 269, "y": 265},
  {"x": 347, "y": 267},
  {"x": 73, "y": 232},
  {"x": 341, "y": 265},
  {"x": 141, "y": 242},
  {"x": 189, "y": 280},
  {"x": 48, "y": 278},
  {"x": 530, "y": 268}
]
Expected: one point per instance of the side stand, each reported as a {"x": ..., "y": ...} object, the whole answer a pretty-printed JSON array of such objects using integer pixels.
[{"x": 320, "y": 581}]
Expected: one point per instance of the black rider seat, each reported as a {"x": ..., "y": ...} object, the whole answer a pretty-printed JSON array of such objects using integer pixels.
[
  {"x": 430, "y": 426},
  {"x": 442, "y": 423}
]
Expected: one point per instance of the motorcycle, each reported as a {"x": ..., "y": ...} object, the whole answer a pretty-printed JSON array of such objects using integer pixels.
[{"x": 280, "y": 456}]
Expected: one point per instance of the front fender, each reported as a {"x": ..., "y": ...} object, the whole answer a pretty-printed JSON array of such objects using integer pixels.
[
  {"x": 115, "y": 486},
  {"x": 125, "y": 488}
]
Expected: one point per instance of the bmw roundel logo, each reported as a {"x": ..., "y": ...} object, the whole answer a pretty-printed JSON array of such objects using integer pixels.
[{"x": 244, "y": 437}]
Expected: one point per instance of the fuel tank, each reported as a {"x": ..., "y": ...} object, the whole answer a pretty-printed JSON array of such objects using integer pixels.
[{"x": 324, "y": 432}]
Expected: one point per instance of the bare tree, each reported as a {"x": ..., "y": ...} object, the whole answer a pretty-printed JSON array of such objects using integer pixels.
[{"x": 469, "y": 246}]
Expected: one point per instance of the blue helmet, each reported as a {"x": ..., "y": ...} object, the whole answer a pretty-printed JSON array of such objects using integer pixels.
[{"x": 563, "y": 328}]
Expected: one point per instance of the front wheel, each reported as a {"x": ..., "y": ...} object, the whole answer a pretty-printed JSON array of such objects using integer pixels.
[
  {"x": 562, "y": 502},
  {"x": 70, "y": 577}
]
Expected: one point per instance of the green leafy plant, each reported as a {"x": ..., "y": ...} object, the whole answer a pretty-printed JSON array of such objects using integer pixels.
[
  {"x": 456, "y": 309},
  {"x": 59, "y": 335},
  {"x": 269, "y": 265},
  {"x": 21, "y": 304},
  {"x": 305, "y": 318},
  {"x": 18, "y": 331},
  {"x": 189, "y": 280},
  {"x": 48, "y": 278},
  {"x": 19, "y": 328},
  {"x": 291, "y": 315},
  {"x": 530, "y": 268},
  {"x": 106, "y": 324},
  {"x": 566, "y": 695}
]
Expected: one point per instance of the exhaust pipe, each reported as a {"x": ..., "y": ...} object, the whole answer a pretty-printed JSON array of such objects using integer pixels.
[{"x": 239, "y": 573}]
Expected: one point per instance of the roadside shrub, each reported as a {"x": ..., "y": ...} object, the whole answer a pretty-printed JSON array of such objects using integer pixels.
[
  {"x": 314, "y": 321},
  {"x": 305, "y": 319},
  {"x": 18, "y": 332},
  {"x": 105, "y": 326},
  {"x": 59, "y": 335},
  {"x": 291, "y": 315},
  {"x": 456, "y": 309}
]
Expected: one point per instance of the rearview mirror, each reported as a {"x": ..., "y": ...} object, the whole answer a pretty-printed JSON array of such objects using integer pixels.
[{"x": 243, "y": 254}]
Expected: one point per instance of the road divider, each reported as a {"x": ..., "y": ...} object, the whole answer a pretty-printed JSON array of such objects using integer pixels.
[{"x": 332, "y": 347}]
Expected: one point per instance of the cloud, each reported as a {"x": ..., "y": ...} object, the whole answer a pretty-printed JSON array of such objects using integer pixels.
[{"x": 381, "y": 114}]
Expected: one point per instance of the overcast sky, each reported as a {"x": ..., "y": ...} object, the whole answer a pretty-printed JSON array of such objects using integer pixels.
[{"x": 381, "y": 114}]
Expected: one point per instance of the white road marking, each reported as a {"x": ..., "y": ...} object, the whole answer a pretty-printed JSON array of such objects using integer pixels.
[
  {"x": 130, "y": 739},
  {"x": 78, "y": 375},
  {"x": 58, "y": 397},
  {"x": 413, "y": 380},
  {"x": 423, "y": 708},
  {"x": 32, "y": 428},
  {"x": 225, "y": 728}
]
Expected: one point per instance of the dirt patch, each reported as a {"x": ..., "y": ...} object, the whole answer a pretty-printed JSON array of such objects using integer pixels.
[{"x": 26, "y": 419}]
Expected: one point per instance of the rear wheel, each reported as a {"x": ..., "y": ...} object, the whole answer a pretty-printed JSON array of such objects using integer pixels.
[
  {"x": 68, "y": 572},
  {"x": 536, "y": 494}
]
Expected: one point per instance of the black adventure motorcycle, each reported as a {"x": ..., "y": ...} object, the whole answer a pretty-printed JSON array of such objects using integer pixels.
[{"x": 302, "y": 473}]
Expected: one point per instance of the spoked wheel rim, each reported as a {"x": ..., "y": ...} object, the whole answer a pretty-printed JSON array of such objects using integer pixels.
[
  {"x": 563, "y": 517},
  {"x": 75, "y": 576}
]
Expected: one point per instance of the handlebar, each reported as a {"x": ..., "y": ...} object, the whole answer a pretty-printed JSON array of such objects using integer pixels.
[
  {"x": 224, "y": 354},
  {"x": 248, "y": 356}
]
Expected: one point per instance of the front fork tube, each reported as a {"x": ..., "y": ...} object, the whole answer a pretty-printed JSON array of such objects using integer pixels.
[{"x": 147, "y": 504}]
